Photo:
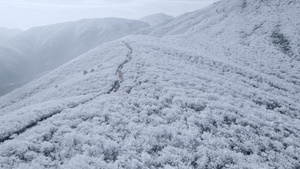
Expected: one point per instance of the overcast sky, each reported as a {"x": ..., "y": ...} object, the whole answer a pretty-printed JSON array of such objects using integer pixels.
[{"x": 24, "y": 14}]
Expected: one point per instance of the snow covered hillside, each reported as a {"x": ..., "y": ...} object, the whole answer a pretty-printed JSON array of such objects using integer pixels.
[
  {"x": 45, "y": 48},
  {"x": 215, "y": 88}
]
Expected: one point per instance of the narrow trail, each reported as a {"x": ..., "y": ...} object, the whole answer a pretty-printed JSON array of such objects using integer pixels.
[
  {"x": 119, "y": 72},
  {"x": 9, "y": 135}
]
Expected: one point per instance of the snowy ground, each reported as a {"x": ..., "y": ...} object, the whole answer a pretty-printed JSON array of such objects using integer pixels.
[{"x": 194, "y": 100}]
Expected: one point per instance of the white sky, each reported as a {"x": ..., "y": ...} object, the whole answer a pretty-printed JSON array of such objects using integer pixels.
[{"x": 24, "y": 14}]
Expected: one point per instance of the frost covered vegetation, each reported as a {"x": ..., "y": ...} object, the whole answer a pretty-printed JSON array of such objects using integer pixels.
[{"x": 215, "y": 88}]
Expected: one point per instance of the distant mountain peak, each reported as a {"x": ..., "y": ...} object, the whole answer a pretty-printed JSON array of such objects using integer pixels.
[{"x": 156, "y": 19}]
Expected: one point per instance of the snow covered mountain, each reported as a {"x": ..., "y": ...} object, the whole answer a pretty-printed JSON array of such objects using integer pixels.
[
  {"x": 45, "y": 48},
  {"x": 156, "y": 19},
  {"x": 215, "y": 88}
]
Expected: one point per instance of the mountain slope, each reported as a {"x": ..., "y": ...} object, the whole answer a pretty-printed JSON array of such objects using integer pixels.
[
  {"x": 48, "y": 47},
  {"x": 186, "y": 100},
  {"x": 253, "y": 33},
  {"x": 174, "y": 108}
]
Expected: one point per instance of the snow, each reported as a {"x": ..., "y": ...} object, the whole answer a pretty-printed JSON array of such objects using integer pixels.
[{"x": 211, "y": 92}]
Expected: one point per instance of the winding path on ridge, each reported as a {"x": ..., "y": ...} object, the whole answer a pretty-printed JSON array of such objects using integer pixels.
[
  {"x": 119, "y": 72},
  {"x": 8, "y": 136}
]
